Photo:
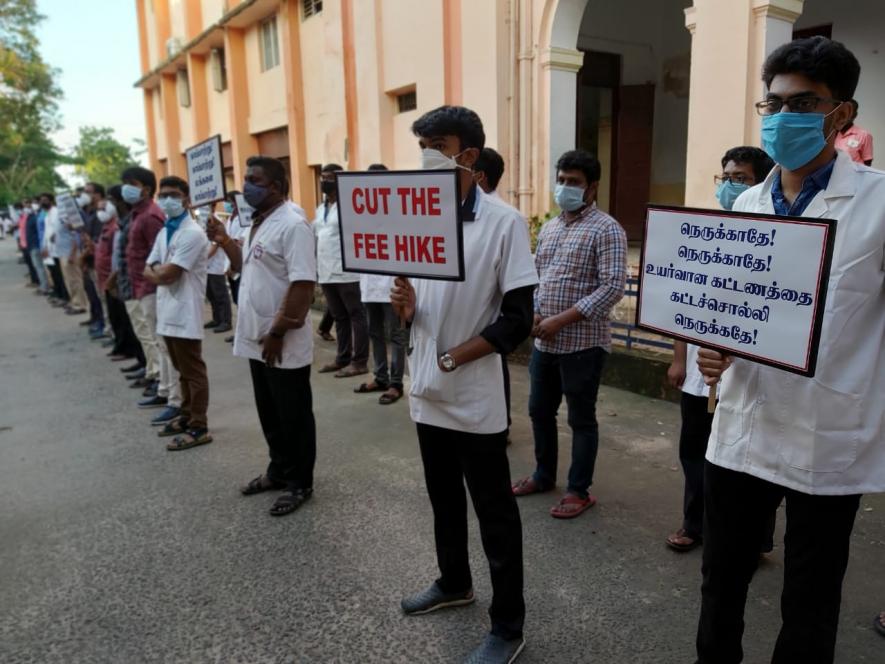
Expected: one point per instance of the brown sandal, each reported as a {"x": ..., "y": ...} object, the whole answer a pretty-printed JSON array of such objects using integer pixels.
[
  {"x": 366, "y": 388},
  {"x": 682, "y": 542},
  {"x": 350, "y": 371},
  {"x": 392, "y": 395}
]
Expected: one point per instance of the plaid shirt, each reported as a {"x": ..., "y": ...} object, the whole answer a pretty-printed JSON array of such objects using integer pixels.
[{"x": 583, "y": 264}]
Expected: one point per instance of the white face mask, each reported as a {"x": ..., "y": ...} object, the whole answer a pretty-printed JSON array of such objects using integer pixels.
[
  {"x": 434, "y": 160},
  {"x": 109, "y": 212},
  {"x": 83, "y": 199},
  {"x": 35, "y": 206}
]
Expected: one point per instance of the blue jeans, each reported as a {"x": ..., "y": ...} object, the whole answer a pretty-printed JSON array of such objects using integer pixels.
[{"x": 575, "y": 375}]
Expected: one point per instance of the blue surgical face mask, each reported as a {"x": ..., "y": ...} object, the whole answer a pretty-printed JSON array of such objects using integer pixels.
[
  {"x": 131, "y": 194},
  {"x": 794, "y": 139},
  {"x": 171, "y": 207},
  {"x": 569, "y": 198},
  {"x": 228, "y": 207},
  {"x": 255, "y": 194},
  {"x": 727, "y": 193}
]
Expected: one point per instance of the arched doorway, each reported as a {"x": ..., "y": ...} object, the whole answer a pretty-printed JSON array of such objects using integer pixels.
[{"x": 619, "y": 87}]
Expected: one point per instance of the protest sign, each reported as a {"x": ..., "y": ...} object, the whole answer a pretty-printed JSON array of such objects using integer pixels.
[
  {"x": 750, "y": 285},
  {"x": 244, "y": 211},
  {"x": 68, "y": 210},
  {"x": 401, "y": 223},
  {"x": 205, "y": 172}
]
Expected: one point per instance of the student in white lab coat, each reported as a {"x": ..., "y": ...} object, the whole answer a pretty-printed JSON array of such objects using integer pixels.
[
  {"x": 278, "y": 266},
  {"x": 818, "y": 443},
  {"x": 383, "y": 323},
  {"x": 177, "y": 266},
  {"x": 459, "y": 330}
]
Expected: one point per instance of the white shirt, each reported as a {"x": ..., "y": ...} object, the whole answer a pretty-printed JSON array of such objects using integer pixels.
[
  {"x": 694, "y": 379},
  {"x": 328, "y": 238},
  {"x": 180, "y": 304},
  {"x": 50, "y": 231},
  {"x": 826, "y": 434},
  {"x": 218, "y": 261},
  {"x": 375, "y": 287},
  {"x": 497, "y": 259},
  {"x": 279, "y": 252}
]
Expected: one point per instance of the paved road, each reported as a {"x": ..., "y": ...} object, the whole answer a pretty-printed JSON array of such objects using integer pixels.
[{"x": 114, "y": 550}]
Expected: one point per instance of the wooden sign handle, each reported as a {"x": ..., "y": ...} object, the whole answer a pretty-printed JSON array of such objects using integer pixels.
[{"x": 712, "y": 398}]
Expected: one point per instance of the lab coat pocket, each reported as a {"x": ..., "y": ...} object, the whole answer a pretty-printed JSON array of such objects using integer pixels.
[
  {"x": 428, "y": 380},
  {"x": 836, "y": 425}
]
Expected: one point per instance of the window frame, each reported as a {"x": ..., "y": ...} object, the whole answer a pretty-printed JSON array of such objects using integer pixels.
[{"x": 269, "y": 44}]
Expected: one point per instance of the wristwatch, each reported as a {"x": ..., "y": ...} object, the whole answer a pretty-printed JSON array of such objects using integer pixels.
[{"x": 448, "y": 362}]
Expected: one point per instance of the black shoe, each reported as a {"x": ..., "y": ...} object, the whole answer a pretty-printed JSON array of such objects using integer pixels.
[
  {"x": 151, "y": 390},
  {"x": 229, "y": 339},
  {"x": 153, "y": 402},
  {"x": 210, "y": 325},
  {"x": 433, "y": 599},
  {"x": 134, "y": 367},
  {"x": 495, "y": 650},
  {"x": 140, "y": 383},
  {"x": 136, "y": 375},
  {"x": 221, "y": 329}
]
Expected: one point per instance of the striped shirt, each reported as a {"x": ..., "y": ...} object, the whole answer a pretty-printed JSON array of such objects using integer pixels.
[{"x": 582, "y": 263}]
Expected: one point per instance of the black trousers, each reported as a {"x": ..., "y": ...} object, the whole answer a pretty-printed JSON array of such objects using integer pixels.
[
  {"x": 326, "y": 322},
  {"x": 125, "y": 341},
  {"x": 96, "y": 314},
  {"x": 58, "y": 281},
  {"x": 351, "y": 325},
  {"x": 450, "y": 458},
  {"x": 219, "y": 298},
  {"x": 284, "y": 402},
  {"x": 815, "y": 558},
  {"x": 693, "y": 438}
]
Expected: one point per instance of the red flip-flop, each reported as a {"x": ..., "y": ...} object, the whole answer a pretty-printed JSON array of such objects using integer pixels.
[{"x": 571, "y": 506}]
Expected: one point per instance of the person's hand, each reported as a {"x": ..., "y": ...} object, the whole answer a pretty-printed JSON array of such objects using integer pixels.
[
  {"x": 535, "y": 322},
  {"x": 402, "y": 297},
  {"x": 712, "y": 365},
  {"x": 215, "y": 230},
  {"x": 676, "y": 374},
  {"x": 548, "y": 328},
  {"x": 271, "y": 350}
]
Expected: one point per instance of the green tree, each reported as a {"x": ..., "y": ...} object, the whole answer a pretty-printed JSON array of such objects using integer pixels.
[
  {"x": 28, "y": 106},
  {"x": 99, "y": 157}
]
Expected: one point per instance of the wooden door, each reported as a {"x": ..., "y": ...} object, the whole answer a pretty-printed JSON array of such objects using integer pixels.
[{"x": 631, "y": 166}]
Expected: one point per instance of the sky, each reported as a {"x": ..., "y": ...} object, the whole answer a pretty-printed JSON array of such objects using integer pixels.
[{"x": 94, "y": 45}]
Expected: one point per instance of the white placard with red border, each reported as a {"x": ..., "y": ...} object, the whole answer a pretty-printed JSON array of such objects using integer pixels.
[
  {"x": 205, "y": 172},
  {"x": 750, "y": 285},
  {"x": 401, "y": 223}
]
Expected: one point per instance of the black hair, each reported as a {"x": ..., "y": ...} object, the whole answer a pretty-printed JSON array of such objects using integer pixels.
[
  {"x": 492, "y": 164},
  {"x": 48, "y": 195},
  {"x": 273, "y": 168},
  {"x": 756, "y": 157},
  {"x": 177, "y": 183},
  {"x": 115, "y": 193},
  {"x": 331, "y": 168},
  {"x": 378, "y": 167},
  {"x": 818, "y": 59},
  {"x": 143, "y": 175},
  {"x": 452, "y": 121},
  {"x": 97, "y": 188},
  {"x": 581, "y": 160}
]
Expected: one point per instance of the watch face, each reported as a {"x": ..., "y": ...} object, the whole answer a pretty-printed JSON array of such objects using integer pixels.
[{"x": 448, "y": 362}]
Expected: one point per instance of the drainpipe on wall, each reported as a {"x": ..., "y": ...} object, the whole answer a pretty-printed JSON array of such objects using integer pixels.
[
  {"x": 513, "y": 98},
  {"x": 526, "y": 60}
]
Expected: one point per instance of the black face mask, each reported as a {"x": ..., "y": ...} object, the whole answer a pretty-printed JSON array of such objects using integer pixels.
[
  {"x": 327, "y": 187},
  {"x": 45, "y": 206}
]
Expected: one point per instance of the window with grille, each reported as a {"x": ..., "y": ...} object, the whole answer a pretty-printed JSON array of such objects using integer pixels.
[
  {"x": 311, "y": 8},
  {"x": 406, "y": 101},
  {"x": 269, "y": 44}
]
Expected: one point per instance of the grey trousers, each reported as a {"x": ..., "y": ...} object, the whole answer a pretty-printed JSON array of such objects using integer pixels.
[
  {"x": 383, "y": 322},
  {"x": 351, "y": 329}
]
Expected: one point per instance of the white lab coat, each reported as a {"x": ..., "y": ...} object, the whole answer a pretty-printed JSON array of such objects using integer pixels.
[{"x": 826, "y": 434}]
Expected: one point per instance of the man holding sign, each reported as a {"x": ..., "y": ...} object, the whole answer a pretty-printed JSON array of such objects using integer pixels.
[
  {"x": 457, "y": 394},
  {"x": 817, "y": 442}
]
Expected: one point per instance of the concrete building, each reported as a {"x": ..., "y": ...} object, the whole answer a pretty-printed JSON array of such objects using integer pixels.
[{"x": 659, "y": 89}]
